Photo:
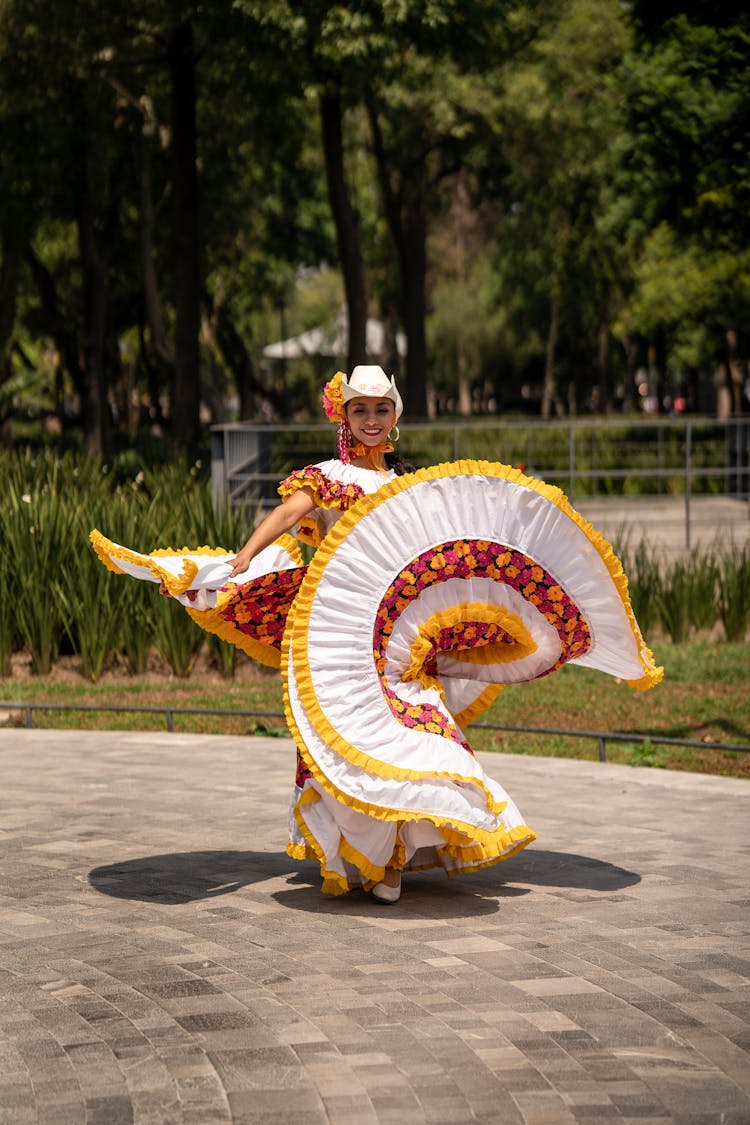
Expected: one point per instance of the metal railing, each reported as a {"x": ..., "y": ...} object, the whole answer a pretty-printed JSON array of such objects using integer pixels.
[
  {"x": 600, "y": 737},
  {"x": 588, "y": 457}
]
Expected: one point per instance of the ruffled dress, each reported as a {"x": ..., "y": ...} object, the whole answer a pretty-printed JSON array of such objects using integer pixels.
[{"x": 427, "y": 593}]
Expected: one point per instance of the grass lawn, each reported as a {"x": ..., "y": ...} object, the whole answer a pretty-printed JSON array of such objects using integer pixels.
[{"x": 705, "y": 696}]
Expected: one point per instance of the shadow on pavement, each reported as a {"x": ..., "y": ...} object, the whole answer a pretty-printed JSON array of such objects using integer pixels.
[
  {"x": 566, "y": 869},
  {"x": 181, "y": 877}
]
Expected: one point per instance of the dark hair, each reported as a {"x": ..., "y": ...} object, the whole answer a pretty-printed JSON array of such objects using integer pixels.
[{"x": 398, "y": 465}]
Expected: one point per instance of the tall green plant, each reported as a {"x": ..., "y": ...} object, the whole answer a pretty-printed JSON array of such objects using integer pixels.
[
  {"x": 674, "y": 599},
  {"x": 643, "y": 568},
  {"x": 734, "y": 590},
  {"x": 39, "y": 542},
  {"x": 704, "y": 576},
  {"x": 176, "y": 636},
  {"x": 8, "y": 581}
]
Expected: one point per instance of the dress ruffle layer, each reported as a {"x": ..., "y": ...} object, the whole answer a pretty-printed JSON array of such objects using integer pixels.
[{"x": 431, "y": 592}]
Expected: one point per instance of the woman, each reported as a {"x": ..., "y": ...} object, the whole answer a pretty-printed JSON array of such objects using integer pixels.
[{"x": 428, "y": 592}]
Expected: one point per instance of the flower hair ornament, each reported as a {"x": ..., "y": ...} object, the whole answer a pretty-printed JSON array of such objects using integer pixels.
[{"x": 334, "y": 406}]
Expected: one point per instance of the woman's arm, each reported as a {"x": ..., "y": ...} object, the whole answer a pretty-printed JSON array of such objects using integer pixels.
[{"x": 281, "y": 519}]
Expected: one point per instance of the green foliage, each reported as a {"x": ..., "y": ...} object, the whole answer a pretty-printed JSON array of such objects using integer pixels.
[
  {"x": 733, "y": 579},
  {"x": 646, "y": 754},
  {"x": 578, "y": 170}
]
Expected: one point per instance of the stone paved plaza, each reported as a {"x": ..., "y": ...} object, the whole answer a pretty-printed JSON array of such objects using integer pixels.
[{"x": 163, "y": 961}]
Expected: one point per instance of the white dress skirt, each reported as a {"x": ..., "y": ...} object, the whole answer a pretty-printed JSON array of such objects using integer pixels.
[{"x": 427, "y": 593}]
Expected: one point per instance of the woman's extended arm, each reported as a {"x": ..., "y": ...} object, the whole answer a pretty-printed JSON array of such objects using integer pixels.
[{"x": 281, "y": 519}]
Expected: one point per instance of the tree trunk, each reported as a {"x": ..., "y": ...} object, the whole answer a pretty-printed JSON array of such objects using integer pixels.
[
  {"x": 238, "y": 359},
  {"x": 93, "y": 392},
  {"x": 10, "y": 271},
  {"x": 657, "y": 363},
  {"x": 634, "y": 353},
  {"x": 58, "y": 326},
  {"x": 347, "y": 228},
  {"x": 604, "y": 404},
  {"x": 407, "y": 222},
  {"x": 160, "y": 342},
  {"x": 185, "y": 402},
  {"x": 549, "y": 393},
  {"x": 413, "y": 262},
  {"x": 736, "y": 372}
]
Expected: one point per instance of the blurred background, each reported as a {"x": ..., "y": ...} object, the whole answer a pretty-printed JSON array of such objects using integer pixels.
[{"x": 533, "y": 209}]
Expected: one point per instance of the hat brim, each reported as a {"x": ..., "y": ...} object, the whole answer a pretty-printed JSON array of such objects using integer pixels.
[{"x": 388, "y": 391}]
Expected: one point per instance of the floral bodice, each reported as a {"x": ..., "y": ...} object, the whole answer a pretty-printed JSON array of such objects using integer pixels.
[{"x": 336, "y": 487}]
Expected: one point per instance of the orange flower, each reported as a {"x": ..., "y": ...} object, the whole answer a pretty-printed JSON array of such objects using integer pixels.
[{"x": 333, "y": 398}]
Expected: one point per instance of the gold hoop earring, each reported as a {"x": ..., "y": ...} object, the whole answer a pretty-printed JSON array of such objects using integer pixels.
[{"x": 394, "y": 436}]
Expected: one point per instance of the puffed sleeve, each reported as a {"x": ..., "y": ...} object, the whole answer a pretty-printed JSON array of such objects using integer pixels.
[{"x": 327, "y": 492}]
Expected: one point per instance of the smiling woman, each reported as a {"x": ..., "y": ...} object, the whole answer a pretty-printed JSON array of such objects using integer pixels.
[{"x": 428, "y": 593}]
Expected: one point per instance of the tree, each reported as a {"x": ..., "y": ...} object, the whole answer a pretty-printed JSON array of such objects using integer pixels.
[
  {"x": 684, "y": 183},
  {"x": 554, "y": 126}
]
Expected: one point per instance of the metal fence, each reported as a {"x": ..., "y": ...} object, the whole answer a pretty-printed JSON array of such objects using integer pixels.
[
  {"x": 600, "y": 737},
  {"x": 585, "y": 457},
  {"x": 681, "y": 461}
]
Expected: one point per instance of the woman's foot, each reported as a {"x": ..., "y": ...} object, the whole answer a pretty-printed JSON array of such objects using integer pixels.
[{"x": 390, "y": 889}]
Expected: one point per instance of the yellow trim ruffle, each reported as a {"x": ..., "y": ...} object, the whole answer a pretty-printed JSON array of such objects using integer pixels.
[
  {"x": 477, "y": 854},
  {"x": 175, "y": 584},
  {"x": 341, "y": 746},
  {"x": 108, "y": 551},
  {"x": 479, "y": 705},
  {"x": 333, "y": 882},
  {"x": 211, "y": 621},
  {"x": 366, "y": 504},
  {"x": 497, "y": 653}
]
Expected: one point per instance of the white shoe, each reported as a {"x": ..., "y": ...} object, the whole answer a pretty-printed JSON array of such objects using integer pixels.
[{"x": 387, "y": 894}]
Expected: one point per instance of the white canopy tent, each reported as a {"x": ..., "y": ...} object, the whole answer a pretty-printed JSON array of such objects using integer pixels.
[{"x": 332, "y": 342}]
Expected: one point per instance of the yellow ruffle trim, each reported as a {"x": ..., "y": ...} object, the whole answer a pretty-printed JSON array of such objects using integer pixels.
[
  {"x": 422, "y": 645},
  {"x": 211, "y": 621},
  {"x": 108, "y": 551},
  {"x": 496, "y": 470},
  {"x": 441, "y": 822},
  {"x": 346, "y": 750},
  {"x": 479, "y": 705},
  {"x": 472, "y": 855},
  {"x": 333, "y": 882},
  {"x": 175, "y": 584}
]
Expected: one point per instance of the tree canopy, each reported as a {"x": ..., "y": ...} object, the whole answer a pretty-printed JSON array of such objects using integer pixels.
[{"x": 548, "y": 201}]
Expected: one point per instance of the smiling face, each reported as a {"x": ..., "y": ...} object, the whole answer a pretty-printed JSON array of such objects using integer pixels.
[{"x": 370, "y": 419}]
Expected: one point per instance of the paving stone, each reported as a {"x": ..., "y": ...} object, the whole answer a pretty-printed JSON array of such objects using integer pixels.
[{"x": 162, "y": 962}]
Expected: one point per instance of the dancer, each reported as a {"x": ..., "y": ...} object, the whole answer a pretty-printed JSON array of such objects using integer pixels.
[{"x": 427, "y": 593}]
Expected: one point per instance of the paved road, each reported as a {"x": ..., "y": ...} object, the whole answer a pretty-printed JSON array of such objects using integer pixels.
[
  {"x": 665, "y": 522},
  {"x": 162, "y": 961}
]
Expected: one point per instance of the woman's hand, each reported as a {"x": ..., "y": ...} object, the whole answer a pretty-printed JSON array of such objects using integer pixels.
[
  {"x": 241, "y": 561},
  {"x": 281, "y": 519}
]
